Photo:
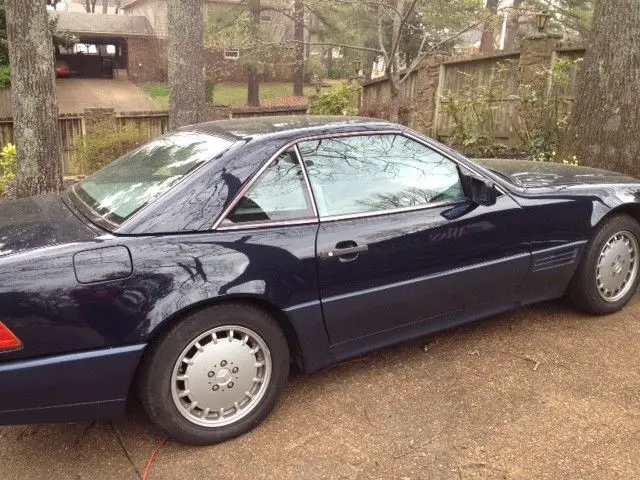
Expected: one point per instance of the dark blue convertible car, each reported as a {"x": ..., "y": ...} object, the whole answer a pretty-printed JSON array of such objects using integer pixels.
[{"x": 194, "y": 270}]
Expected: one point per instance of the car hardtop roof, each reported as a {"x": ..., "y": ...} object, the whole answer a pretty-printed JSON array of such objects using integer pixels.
[{"x": 262, "y": 126}]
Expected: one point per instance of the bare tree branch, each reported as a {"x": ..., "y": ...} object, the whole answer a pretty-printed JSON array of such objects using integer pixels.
[
  {"x": 375, "y": 3},
  {"x": 416, "y": 62},
  {"x": 405, "y": 17},
  {"x": 381, "y": 38},
  {"x": 266, "y": 45}
]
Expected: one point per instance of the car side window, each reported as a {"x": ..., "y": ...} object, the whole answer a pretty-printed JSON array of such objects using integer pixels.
[
  {"x": 369, "y": 173},
  {"x": 280, "y": 194}
]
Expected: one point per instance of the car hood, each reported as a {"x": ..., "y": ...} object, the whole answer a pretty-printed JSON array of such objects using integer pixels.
[
  {"x": 528, "y": 174},
  {"x": 38, "y": 222}
]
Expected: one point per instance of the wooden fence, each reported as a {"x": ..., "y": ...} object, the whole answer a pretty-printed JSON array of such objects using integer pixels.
[
  {"x": 376, "y": 94},
  {"x": 497, "y": 77},
  {"x": 72, "y": 128},
  {"x": 568, "y": 90},
  {"x": 5, "y": 103}
]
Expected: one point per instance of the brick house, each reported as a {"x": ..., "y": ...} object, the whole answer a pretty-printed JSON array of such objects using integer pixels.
[
  {"x": 111, "y": 46},
  {"x": 278, "y": 26}
]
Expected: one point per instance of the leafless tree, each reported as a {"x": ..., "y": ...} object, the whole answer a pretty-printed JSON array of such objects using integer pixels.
[
  {"x": 253, "y": 79},
  {"x": 90, "y": 6},
  {"x": 298, "y": 35}
]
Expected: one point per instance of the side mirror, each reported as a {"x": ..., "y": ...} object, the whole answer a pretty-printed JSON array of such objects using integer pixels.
[{"x": 479, "y": 191}]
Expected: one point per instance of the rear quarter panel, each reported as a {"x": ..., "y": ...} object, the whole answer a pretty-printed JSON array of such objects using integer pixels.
[{"x": 43, "y": 302}]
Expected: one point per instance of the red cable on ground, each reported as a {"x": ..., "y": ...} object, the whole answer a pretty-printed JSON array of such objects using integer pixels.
[{"x": 155, "y": 451}]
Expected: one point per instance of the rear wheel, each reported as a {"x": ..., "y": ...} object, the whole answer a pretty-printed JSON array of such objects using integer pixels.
[
  {"x": 215, "y": 375},
  {"x": 608, "y": 276}
]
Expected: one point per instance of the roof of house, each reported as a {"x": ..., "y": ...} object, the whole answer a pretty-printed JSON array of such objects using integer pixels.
[{"x": 82, "y": 23}]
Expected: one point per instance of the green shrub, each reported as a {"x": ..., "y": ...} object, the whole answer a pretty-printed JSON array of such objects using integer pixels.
[
  {"x": 340, "y": 100},
  {"x": 314, "y": 68},
  {"x": 5, "y": 77},
  {"x": 7, "y": 168},
  {"x": 105, "y": 144}
]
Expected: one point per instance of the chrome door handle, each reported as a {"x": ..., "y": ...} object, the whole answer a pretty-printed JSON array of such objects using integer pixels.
[{"x": 344, "y": 252}]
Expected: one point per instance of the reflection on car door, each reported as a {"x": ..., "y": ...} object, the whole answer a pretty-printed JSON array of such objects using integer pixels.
[{"x": 399, "y": 244}]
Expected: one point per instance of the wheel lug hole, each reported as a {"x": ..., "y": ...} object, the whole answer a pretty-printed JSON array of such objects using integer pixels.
[
  {"x": 230, "y": 385},
  {"x": 215, "y": 388},
  {"x": 223, "y": 363},
  {"x": 235, "y": 370},
  {"x": 211, "y": 374}
]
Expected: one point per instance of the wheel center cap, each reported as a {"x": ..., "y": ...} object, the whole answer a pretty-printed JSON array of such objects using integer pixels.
[
  {"x": 223, "y": 376},
  {"x": 617, "y": 267}
]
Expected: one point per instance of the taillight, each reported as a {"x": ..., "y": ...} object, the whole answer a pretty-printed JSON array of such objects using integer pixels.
[{"x": 8, "y": 340}]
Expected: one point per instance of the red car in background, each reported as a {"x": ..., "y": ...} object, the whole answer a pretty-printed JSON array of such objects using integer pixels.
[{"x": 63, "y": 71}]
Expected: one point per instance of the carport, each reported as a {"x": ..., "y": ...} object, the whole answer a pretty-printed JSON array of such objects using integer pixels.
[{"x": 105, "y": 45}]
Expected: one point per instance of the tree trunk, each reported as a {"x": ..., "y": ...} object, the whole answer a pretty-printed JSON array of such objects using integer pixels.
[
  {"x": 187, "y": 95},
  {"x": 393, "y": 70},
  {"x": 604, "y": 127},
  {"x": 253, "y": 77},
  {"x": 329, "y": 61},
  {"x": 93, "y": 6},
  {"x": 33, "y": 94},
  {"x": 513, "y": 27},
  {"x": 87, "y": 5},
  {"x": 488, "y": 41},
  {"x": 298, "y": 74},
  {"x": 394, "y": 105},
  {"x": 105, "y": 6},
  {"x": 253, "y": 86}
]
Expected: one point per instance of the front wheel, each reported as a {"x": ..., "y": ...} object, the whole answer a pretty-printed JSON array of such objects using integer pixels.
[
  {"x": 607, "y": 278},
  {"x": 215, "y": 375}
]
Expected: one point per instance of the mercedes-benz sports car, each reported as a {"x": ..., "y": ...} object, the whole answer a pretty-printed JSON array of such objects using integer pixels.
[{"x": 196, "y": 269}]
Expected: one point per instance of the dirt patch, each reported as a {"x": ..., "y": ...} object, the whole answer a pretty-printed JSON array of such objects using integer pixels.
[{"x": 540, "y": 393}]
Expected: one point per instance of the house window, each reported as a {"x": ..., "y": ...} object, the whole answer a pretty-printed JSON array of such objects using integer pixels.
[{"x": 232, "y": 53}]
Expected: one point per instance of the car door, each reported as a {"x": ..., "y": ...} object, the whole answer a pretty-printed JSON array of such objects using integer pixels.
[{"x": 399, "y": 243}]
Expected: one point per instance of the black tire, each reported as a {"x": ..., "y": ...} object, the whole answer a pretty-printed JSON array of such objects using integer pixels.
[
  {"x": 583, "y": 290},
  {"x": 157, "y": 368}
]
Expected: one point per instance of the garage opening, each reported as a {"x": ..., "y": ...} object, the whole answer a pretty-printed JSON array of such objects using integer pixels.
[{"x": 94, "y": 58}]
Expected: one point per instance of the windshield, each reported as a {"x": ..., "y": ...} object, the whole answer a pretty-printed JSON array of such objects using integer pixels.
[{"x": 122, "y": 188}]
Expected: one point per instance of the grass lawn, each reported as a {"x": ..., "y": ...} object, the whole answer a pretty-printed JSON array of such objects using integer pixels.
[{"x": 229, "y": 94}]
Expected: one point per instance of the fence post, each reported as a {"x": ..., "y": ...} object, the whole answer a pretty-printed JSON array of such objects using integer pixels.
[
  {"x": 536, "y": 55},
  {"x": 428, "y": 89}
]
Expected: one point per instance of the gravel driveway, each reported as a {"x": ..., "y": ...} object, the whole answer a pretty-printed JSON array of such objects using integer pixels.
[{"x": 540, "y": 393}]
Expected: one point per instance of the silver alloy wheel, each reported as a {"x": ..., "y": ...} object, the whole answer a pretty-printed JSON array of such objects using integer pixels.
[
  {"x": 221, "y": 376},
  {"x": 617, "y": 266}
]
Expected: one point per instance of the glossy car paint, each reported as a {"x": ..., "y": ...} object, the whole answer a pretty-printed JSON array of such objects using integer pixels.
[
  {"x": 420, "y": 266},
  {"x": 68, "y": 286}
]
